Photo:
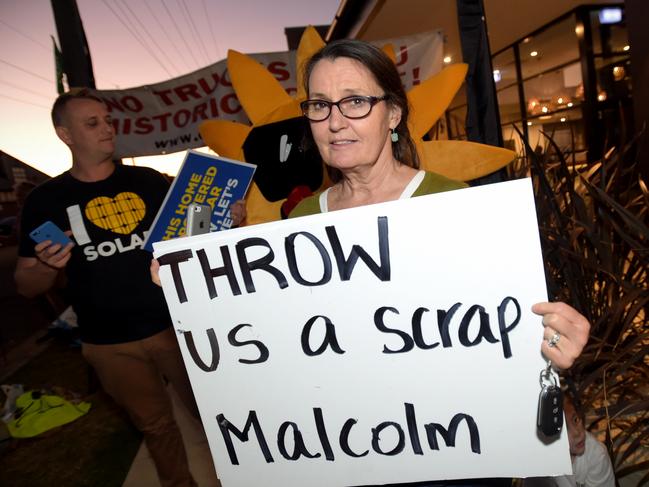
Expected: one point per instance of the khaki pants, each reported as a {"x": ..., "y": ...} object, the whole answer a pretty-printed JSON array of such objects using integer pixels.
[{"x": 131, "y": 373}]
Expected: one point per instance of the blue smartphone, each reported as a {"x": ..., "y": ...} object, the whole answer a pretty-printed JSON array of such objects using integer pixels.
[{"x": 49, "y": 231}]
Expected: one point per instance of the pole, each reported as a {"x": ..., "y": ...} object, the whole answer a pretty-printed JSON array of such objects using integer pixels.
[
  {"x": 483, "y": 118},
  {"x": 77, "y": 64}
]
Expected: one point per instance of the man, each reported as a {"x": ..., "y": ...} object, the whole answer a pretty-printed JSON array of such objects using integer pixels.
[
  {"x": 123, "y": 320},
  {"x": 591, "y": 465}
]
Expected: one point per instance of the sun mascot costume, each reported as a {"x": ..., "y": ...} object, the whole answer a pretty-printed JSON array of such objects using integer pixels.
[{"x": 288, "y": 168}]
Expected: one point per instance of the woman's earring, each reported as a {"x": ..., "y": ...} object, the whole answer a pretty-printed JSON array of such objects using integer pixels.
[{"x": 394, "y": 136}]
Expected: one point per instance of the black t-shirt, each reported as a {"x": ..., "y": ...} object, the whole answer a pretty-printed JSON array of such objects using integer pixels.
[{"x": 108, "y": 274}]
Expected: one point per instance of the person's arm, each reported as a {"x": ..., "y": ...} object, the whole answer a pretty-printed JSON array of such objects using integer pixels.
[
  {"x": 37, "y": 275},
  {"x": 155, "y": 272},
  {"x": 572, "y": 330}
]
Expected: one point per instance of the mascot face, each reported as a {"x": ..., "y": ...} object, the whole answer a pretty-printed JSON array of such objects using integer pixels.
[
  {"x": 284, "y": 158},
  {"x": 288, "y": 166}
]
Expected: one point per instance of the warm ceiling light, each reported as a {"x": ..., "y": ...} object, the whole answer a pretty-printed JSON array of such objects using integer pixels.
[
  {"x": 529, "y": 124},
  {"x": 447, "y": 59},
  {"x": 601, "y": 96},
  {"x": 563, "y": 119},
  {"x": 526, "y": 40},
  {"x": 532, "y": 105},
  {"x": 579, "y": 30},
  {"x": 626, "y": 48},
  {"x": 497, "y": 75},
  {"x": 618, "y": 73},
  {"x": 545, "y": 117},
  {"x": 534, "y": 53},
  {"x": 544, "y": 109},
  {"x": 569, "y": 104}
]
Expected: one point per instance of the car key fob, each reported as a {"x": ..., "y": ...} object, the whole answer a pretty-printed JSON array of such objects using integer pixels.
[{"x": 549, "y": 418}]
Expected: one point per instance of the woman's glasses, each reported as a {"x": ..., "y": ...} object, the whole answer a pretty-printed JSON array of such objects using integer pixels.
[{"x": 353, "y": 107}]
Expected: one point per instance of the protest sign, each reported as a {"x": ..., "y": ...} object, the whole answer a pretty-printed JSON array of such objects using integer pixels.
[
  {"x": 203, "y": 179},
  {"x": 388, "y": 343},
  {"x": 164, "y": 117}
]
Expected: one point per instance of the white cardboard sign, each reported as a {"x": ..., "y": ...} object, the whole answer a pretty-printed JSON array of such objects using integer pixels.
[{"x": 383, "y": 344}]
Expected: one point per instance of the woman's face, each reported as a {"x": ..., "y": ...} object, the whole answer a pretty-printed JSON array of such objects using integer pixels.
[{"x": 344, "y": 143}]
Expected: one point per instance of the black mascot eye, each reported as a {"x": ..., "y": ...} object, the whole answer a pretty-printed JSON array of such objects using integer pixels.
[{"x": 285, "y": 158}]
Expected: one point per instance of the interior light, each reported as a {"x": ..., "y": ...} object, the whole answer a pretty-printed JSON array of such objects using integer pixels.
[
  {"x": 569, "y": 104},
  {"x": 560, "y": 101},
  {"x": 626, "y": 48},
  {"x": 447, "y": 59},
  {"x": 610, "y": 15},
  {"x": 545, "y": 117},
  {"x": 563, "y": 119},
  {"x": 534, "y": 53},
  {"x": 533, "y": 105},
  {"x": 602, "y": 96},
  {"x": 526, "y": 40},
  {"x": 497, "y": 75},
  {"x": 544, "y": 109},
  {"x": 529, "y": 124},
  {"x": 579, "y": 30}
]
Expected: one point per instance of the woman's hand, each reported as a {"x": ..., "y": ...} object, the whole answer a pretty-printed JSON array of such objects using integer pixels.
[
  {"x": 238, "y": 213},
  {"x": 155, "y": 271},
  {"x": 565, "y": 335}
]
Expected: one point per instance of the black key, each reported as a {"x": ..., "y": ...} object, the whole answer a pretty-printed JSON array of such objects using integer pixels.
[{"x": 550, "y": 414}]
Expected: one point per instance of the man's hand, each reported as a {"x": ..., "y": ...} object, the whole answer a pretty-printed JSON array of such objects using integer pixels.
[
  {"x": 53, "y": 255},
  {"x": 37, "y": 275}
]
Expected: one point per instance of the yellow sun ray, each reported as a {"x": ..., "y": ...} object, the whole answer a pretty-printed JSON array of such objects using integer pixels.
[
  {"x": 310, "y": 43},
  {"x": 259, "y": 209},
  {"x": 430, "y": 99},
  {"x": 257, "y": 89},
  {"x": 224, "y": 137},
  {"x": 388, "y": 49},
  {"x": 283, "y": 112},
  {"x": 462, "y": 160}
]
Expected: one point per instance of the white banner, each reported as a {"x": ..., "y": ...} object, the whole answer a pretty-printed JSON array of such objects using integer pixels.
[
  {"x": 383, "y": 344},
  {"x": 164, "y": 118}
]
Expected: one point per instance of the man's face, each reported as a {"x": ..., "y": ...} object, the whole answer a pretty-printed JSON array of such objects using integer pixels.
[
  {"x": 87, "y": 129},
  {"x": 576, "y": 430}
]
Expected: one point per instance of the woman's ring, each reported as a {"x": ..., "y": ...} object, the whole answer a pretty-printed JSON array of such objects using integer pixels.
[{"x": 552, "y": 342}]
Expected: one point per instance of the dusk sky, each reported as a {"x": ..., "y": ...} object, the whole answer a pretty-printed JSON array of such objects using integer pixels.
[{"x": 27, "y": 75}]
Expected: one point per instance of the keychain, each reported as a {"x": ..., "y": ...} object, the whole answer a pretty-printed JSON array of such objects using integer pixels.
[{"x": 549, "y": 418}]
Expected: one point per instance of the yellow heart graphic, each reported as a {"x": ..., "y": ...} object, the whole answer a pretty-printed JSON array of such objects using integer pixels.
[{"x": 120, "y": 214}]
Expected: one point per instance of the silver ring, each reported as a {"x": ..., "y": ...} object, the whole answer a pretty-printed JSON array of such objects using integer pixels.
[{"x": 552, "y": 342}]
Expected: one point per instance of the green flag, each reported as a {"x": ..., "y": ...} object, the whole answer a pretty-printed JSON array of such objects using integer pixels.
[{"x": 58, "y": 63}]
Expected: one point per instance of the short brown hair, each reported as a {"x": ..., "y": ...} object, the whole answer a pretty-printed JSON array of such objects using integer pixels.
[{"x": 59, "y": 107}]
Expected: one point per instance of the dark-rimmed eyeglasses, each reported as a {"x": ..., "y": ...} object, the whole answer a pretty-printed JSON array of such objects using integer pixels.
[{"x": 353, "y": 107}]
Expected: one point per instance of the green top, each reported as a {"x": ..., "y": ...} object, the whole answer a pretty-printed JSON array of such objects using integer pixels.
[{"x": 432, "y": 183}]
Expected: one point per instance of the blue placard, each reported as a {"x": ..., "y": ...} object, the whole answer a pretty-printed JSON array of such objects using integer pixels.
[{"x": 203, "y": 179}]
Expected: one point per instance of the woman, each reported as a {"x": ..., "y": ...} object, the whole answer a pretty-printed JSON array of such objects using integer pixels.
[{"x": 358, "y": 112}]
